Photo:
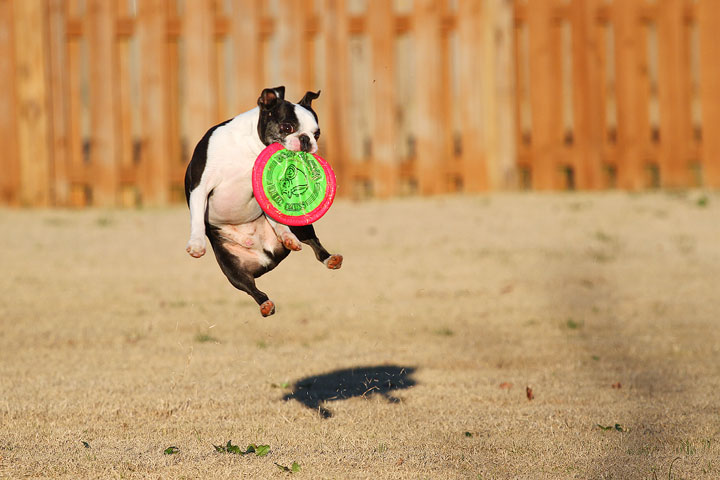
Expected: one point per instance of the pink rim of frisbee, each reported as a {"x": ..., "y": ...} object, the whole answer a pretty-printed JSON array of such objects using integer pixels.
[{"x": 303, "y": 218}]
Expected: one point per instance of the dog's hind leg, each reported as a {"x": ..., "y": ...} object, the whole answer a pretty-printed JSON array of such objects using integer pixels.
[
  {"x": 242, "y": 271},
  {"x": 306, "y": 234},
  {"x": 285, "y": 235}
]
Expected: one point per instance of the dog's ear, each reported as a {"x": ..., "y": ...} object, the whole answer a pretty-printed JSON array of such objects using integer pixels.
[
  {"x": 308, "y": 98},
  {"x": 269, "y": 97}
]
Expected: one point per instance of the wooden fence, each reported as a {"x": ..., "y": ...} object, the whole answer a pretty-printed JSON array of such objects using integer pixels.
[{"x": 102, "y": 101}]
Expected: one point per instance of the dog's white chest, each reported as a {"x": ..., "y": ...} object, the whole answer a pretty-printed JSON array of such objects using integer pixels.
[
  {"x": 232, "y": 201},
  {"x": 232, "y": 151}
]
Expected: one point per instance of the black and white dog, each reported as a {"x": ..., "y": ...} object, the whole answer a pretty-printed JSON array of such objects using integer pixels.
[{"x": 218, "y": 187}]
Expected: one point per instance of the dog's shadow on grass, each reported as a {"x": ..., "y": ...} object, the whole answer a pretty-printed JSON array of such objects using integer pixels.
[{"x": 348, "y": 383}]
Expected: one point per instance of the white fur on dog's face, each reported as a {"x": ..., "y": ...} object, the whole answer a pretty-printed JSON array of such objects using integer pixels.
[{"x": 306, "y": 126}]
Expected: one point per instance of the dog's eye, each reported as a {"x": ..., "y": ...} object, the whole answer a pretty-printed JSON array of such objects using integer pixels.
[
  {"x": 317, "y": 134},
  {"x": 286, "y": 128}
]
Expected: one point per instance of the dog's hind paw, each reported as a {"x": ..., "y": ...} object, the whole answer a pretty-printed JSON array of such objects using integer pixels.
[
  {"x": 267, "y": 308},
  {"x": 333, "y": 262}
]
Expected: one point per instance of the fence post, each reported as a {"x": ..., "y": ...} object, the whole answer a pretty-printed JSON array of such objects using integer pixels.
[
  {"x": 77, "y": 171},
  {"x": 499, "y": 93},
  {"x": 103, "y": 112},
  {"x": 430, "y": 123},
  {"x": 586, "y": 87},
  {"x": 708, "y": 22},
  {"x": 290, "y": 34},
  {"x": 154, "y": 174},
  {"x": 674, "y": 95},
  {"x": 545, "y": 95},
  {"x": 247, "y": 63},
  {"x": 631, "y": 98},
  {"x": 381, "y": 22},
  {"x": 33, "y": 124},
  {"x": 334, "y": 21},
  {"x": 200, "y": 68},
  {"x": 57, "y": 48},
  {"x": 9, "y": 161},
  {"x": 473, "y": 83}
]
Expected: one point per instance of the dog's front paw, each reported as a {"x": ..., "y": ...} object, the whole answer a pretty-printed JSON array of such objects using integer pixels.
[
  {"x": 196, "y": 247},
  {"x": 291, "y": 242}
]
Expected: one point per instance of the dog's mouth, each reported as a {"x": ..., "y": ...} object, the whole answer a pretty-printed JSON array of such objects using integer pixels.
[{"x": 301, "y": 143}]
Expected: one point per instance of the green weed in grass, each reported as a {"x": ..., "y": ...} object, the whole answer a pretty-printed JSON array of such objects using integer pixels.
[
  {"x": 573, "y": 325},
  {"x": 104, "y": 221},
  {"x": 205, "y": 338},
  {"x": 444, "y": 332},
  {"x": 294, "y": 468},
  {"x": 259, "y": 450},
  {"x": 617, "y": 427},
  {"x": 171, "y": 450}
]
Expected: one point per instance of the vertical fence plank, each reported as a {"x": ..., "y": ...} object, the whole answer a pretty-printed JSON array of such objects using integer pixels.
[
  {"x": 521, "y": 110},
  {"x": 545, "y": 96},
  {"x": 246, "y": 66},
  {"x": 708, "y": 23},
  {"x": 674, "y": 95},
  {"x": 200, "y": 73},
  {"x": 127, "y": 174},
  {"x": 630, "y": 78},
  {"x": 79, "y": 195},
  {"x": 587, "y": 85},
  {"x": 471, "y": 31},
  {"x": 500, "y": 97},
  {"x": 33, "y": 123},
  {"x": 335, "y": 27},
  {"x": 381, "y": 22},
  {"x": 9, "y": 162},
  {"x": 57, "y": 48},
  {"x": 290, "y": 35},
  {"x": 430, "y": 123},
  {"x": 152, "y": 36},
  {"x": 103, "y": 113},
  {"x": 179, "y": 146}
]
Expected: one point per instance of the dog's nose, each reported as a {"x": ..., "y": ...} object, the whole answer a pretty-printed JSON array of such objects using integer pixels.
[{"x": 305, "y": 143}]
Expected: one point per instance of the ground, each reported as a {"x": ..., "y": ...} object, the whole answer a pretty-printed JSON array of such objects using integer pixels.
[{"x": 115, "y": 344}]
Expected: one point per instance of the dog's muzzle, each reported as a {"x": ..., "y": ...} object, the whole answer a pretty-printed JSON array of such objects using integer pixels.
[{"x": 305, "y": 143}]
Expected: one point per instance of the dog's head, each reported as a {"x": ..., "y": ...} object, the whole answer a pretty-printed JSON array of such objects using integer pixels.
[{"x": 293, "y": 125}]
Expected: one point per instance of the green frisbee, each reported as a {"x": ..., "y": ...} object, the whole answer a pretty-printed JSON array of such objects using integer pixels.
[{"x": 294, "y": 188}]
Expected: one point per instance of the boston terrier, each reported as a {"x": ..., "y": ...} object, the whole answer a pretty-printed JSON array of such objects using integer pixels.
[{"x": 218, "y": 187}]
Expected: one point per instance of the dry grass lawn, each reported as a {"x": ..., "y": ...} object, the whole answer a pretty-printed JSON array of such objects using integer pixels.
[{"x": 110, "y": 334}]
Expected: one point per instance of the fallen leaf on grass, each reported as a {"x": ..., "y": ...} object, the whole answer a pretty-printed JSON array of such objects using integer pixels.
[
  {"x": 529, "y": 393},
  {"x": 171, "y": 450},
  {"x": 468, "y": 434},
  {"x": 617, "y": 385},
  {"x": 400, "y": 461},
  {"x": 86, "y": 444},
  {"x": 506, "y": 385},
  {"x": 294, "y": 468}
]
